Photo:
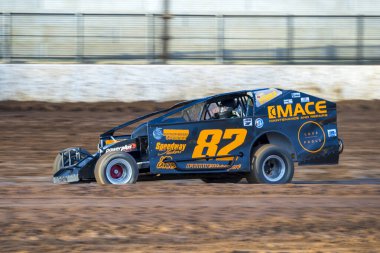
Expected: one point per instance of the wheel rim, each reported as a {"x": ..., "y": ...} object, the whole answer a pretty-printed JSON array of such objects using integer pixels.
[
  {"x": 118, "y": 171},
  {"x": 274, "y": 168}
]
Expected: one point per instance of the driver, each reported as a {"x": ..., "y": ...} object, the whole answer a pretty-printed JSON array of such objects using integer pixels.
[{"x": 226, "y": 110}]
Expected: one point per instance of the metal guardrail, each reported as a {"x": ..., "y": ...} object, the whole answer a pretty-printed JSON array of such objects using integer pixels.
[{"x": 157, "y": 38}]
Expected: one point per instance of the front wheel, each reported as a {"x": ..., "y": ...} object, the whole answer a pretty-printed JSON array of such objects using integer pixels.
[
  {"x": 271, "y": 165},
  {"x": 116, "y": 168}
]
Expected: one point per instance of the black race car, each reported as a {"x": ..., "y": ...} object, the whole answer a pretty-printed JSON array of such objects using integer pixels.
[{"x": 252, "y": 134}]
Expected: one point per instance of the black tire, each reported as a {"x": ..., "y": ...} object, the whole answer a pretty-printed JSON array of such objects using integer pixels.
[
  {"x": 57, "y": 163},
  {"x": 116, "y": 168},
  {"x": 271, "y": 165},
  {"x": 233, "y": 179}
]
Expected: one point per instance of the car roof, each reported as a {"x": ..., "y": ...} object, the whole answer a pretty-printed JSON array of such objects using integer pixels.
[{"x": 241, "y": 92}]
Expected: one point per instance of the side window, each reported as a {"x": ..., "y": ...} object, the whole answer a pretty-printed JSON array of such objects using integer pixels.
[
  {"x": 228, "y": 108},
  {"x": 193, "y": 113},
  {"x": 186, "y": 115},
  {"x": 211, "y": 111}
]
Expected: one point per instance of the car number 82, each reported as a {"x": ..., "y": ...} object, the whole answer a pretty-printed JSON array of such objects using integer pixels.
[{"x": 209, "y": 139}]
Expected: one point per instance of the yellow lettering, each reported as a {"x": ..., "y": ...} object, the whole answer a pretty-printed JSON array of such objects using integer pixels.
[
  {"x": 320, "y": 107},
  {"x": 282, "y": 113},
  {"x": 298, "y": 110},
  {"x": 307, "y": 108},
  {"x": 271, "y": 112}
]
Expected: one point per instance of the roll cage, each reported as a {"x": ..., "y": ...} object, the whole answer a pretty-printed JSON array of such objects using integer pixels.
[{"x": 245, "y": 100}]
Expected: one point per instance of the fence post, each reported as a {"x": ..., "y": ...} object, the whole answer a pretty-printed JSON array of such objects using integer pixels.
[
  {"x": 7, "y": 29},
  {"x": 220, "y": 42},
  {"x": 150, "y": 39},
  {"x": 290, "y": 38},
  {"x": 359, "y": 39},
  {"x": 80, "y": 37},
  {"x": 166, "y": 31},
  {"x": 3, "y": 36}
]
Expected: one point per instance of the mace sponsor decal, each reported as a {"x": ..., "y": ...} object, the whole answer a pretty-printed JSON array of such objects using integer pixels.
[{"x": 278, "y": 113}]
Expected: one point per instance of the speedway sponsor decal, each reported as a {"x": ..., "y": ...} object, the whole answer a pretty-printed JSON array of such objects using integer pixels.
[
  {"x": 170, "y": 148},
  {"x": 288, "y": 101},
  {"x": 171, "y": 134},
  {"x": 212, "y": 166},
  {"x": 164, "y": 163},
  {"x": 124, "y": 148},
  {"x": 176, "y": 134},
  {"x": 265, "y": 96},
  {"x": 281, "y": 113},
  {"x": 305, "y": 99},
  {"x": 311, "y": 137}
]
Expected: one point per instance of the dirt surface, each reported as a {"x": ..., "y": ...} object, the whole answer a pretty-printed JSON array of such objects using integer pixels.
[{"x": 326, "y": 209}]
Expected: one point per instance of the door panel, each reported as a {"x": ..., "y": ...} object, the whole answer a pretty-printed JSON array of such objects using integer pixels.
[{"x": 201, "y": 147}]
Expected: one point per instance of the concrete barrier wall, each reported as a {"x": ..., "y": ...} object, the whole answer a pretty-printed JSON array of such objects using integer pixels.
[{"x": 93, "y": 83}]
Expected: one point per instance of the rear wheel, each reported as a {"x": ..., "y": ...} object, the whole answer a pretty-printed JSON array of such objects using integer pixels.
[
  {"x": 116, "y": 168},
  {"x": 271, "y": 165}
]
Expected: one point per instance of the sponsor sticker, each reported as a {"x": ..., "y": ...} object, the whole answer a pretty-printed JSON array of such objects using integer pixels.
[
  {"x": 157, "y": 133},
  {"x": 305, "y": 99},
  {"x": 212, "y": 166},
  {"x": 247, "y": 122},
  {"x": 170, "y": 148},
  {"x": 124, "y": 148},
  {"x": 107, "y": 142},
  {"x": 264, "y": 96},
  {"x": 259, "y": 123},
  {"x": 288, "y": 101},
  {"x": 296, "y": 95},
  {"x": 297, "y": 111},
  {"x": 162, "y": 164},
  {"x": 176, "y": 134},
  {"x": 331, "y": 132},
  {"x": 311, "y": 137}
]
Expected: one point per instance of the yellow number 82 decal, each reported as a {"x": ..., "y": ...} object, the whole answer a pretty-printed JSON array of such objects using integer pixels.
[{"x": 209, "y": 139}]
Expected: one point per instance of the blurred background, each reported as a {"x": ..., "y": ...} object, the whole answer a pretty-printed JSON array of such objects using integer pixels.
[
  {"x": 72, "y": 69},
  {"x": 190, "y": 32}
]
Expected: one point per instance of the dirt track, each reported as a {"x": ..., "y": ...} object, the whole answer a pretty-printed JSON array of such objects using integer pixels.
[{"x": 328, "y": 208}]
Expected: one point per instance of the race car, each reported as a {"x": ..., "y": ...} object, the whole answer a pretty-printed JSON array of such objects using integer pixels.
[{"x": 254, "y": 134}]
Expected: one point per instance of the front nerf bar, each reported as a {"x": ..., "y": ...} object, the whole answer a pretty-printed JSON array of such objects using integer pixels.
[{"x": 72, "y": 160}]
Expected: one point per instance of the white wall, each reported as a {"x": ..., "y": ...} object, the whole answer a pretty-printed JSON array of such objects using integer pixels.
[
  {"x": 281, "y": 7},
  {"x": 89, "y": 83}
]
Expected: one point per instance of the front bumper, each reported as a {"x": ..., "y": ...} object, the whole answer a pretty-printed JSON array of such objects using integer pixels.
[{"x": 73, "y": 160}]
